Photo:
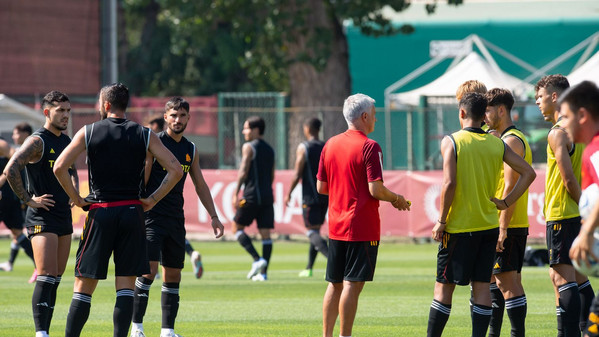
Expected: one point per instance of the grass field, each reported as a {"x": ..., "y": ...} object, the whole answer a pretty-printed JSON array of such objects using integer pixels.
[{"x": 224, "y": 303}]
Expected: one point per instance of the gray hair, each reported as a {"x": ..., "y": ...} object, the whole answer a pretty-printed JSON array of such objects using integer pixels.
[{"x": 355, "y": 105}]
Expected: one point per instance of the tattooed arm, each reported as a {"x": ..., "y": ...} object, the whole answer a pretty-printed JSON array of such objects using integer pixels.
[
  {"x": 30, "y": 152},
  {"x": 174, "y": 172}
]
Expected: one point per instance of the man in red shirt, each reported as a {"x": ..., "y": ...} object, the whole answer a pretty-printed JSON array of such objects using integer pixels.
[
  {"x": 580, "y": 117},
  {"x": 351, "y": 173}
]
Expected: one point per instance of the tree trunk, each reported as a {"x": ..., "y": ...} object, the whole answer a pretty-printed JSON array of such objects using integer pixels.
[{"x": 318, "y": 93}]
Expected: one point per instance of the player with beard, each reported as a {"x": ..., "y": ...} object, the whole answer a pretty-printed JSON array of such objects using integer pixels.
[
  {"x": 165, "y": 223},
  {"x": 49, "y": 224},
  {"x": 116, "y": 151}
]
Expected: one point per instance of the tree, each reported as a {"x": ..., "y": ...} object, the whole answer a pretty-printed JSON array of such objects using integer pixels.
[{"x": 299, "y": 46}]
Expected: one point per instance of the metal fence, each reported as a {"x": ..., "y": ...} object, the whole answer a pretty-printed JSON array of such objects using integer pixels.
[{"x": 412, "y": 141}]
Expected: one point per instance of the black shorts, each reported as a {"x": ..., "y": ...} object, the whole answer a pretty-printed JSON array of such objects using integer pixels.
[
  {"x": 46, "y": 223},
  {"x": 263, "y": 214},
  {"x": 351, "y": 260},
  {"x": 314, "y": 214},
  {"x": 117, "y": 228},
  {"x": 11, "y": 213},
  {"x": 512, "y": 257},
  {"x": 560, "y": 235},
  {"x": 165, "y": 239},
  {"x": 466, "y": 257}
]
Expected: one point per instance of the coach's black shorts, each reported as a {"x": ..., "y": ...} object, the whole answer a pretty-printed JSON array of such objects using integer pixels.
[
  {"x": 116, "y": 228},
  {"x": 560, "y": 235},
  {"x": 165, "y": 239},
  {"x": 11, "y": 213},
  {"x": 351, "y": 260},
  {"x": 314, "y": 214},
  {"x": 46, "y": 222},
  {"x": 264, "y": 215},
  {"x": 512, "y": 257},
  {"x": 466, "y": 257}
]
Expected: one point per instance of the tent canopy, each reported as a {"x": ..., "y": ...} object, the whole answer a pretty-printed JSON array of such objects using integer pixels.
[
  {"x": 13, "y": 113},
  {"x": 588, "y": 71},
  {"x": 472, "y": 67}
]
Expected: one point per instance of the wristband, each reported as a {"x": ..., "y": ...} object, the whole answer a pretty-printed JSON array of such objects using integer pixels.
[
  {"x": 442, "y": 222},
  {"x": 213, "y": 216},
  {"x": 505, "y": 202},
  {"x": 153, "y": 198}
]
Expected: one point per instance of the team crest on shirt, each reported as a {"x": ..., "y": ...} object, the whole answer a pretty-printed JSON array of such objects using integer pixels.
[{"x": 187, "y": 157}]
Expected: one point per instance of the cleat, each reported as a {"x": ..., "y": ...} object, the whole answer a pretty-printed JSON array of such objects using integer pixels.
[
  {"x": 305, "y": 273},
  {"x": 6, "y": 266},
  {"x": 33, "y": 277},
  {"x": 136, "y": 332},
  {"x": 256, "y": 266},
  {"x": 171, "y": 334},
  {"x": 259, "y": 278},
  {"x": 198, "y": 268}
]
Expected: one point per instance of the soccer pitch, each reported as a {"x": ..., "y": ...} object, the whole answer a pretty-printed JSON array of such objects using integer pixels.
[{"x": 224, "y": 303}]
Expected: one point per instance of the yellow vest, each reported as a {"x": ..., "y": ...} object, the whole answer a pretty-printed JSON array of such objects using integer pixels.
[
  {"x": 479, "y": 161},
  {"x": 559, "y": 205},
  {"x": 520, "y": 215}
]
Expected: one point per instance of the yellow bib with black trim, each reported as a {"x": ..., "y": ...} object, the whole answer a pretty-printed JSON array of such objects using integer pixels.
[
  {"x": 479, "y": 157},
  {"x": 520, "y": 215},
  {"x": 559, "y": 205}
]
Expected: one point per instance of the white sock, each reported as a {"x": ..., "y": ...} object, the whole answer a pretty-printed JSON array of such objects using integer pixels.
[
  {"x": 166, "y": 332},
  {"x": 41, "y": 334},
  {"x": 137, "y": 326}
]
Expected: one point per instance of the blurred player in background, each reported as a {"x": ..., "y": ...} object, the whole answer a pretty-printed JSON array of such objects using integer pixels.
[
  {"x": 573, "y": 291},
  {"x": 256, "y": 174},
  {"x": 314, "y": 205},
  {"x": 579, "y": 109}
]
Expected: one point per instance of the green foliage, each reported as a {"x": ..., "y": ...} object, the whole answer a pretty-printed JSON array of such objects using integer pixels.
[
  {"x": 224, "y": 303},
  {"x": 203, "y": 47}
]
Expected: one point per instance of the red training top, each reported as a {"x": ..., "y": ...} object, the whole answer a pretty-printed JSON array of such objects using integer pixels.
[
  {"x": 590, "y": 164},
  {"x": 349, "y": 161}
]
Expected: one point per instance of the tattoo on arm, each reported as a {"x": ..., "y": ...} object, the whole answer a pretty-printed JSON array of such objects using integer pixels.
[{"x": 31, "y": 151}]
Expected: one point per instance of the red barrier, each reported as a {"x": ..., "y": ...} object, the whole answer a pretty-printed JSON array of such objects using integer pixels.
[{"x": 422, "y": 188}]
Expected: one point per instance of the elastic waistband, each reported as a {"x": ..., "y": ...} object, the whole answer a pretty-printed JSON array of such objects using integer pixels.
[{"x": 114, "y": 204}]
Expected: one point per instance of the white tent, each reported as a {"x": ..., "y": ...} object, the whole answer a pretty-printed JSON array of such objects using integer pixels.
[
  {"x": 472, "y": 67},
  {"x": 588, "y": 71},
  {"x": 13, "y": 113}
]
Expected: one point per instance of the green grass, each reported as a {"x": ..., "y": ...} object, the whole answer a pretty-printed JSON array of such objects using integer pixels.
[{"x": 224, "y": 303}]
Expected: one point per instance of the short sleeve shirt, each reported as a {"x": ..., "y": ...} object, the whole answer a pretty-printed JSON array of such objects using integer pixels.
[
  {"x": 349, "y": 161},
  {"x": 590, "y": 164}
]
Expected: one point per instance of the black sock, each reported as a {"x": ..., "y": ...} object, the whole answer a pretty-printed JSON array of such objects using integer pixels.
[
  {"x": 123, "y": 311},
  {"x": 319, "y": 243},
  {"x": 188, "y": 247},
  {"x": 312, "y": 253},
  {"x": 246, "y": 243},
  {"x": 41, "y": 299},
  {"x": 481, "y": 316},
  {"x": 53, "y": 302},
  {"x": 170, "y": 304},
  {"x": 14, "y": 251},
  {"x": 437, "y": 318},
  {"x": 569, "y": 302},
  {"x": 266, "y": 252},
  {"x": 498, "y": 305},
  {"x": 585, "y": 290},
  {"x": 516, "y": 311},
  {"x": 78, "y": 314},
  {"x": 560, "y": 325},
  {"x": 140, "y": 298},
  {"x": 24, "y": 242}
]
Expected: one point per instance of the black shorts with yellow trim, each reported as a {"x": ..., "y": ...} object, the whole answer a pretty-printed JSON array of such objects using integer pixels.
[
  {"x": 514, "y": 247},
  {"x": 466, "y": 257},
  {"x": 314, "y": 214},
  {"x": 248, "y": 212},
  {"x": 353, "y": 261},
  {"x": 560, "y": 235}
]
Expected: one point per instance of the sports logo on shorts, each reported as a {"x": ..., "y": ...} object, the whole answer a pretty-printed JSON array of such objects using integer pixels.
[
  {"x": 37, "y": 229},
  {"x": 374, "y": 243}
]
